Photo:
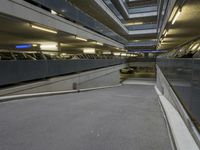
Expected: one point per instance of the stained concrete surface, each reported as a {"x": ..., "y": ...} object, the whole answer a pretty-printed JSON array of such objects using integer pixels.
[{"x": 121, "y": 118}]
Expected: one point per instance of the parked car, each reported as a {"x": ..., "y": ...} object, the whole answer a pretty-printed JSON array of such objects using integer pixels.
[{"x": 127, "y": 70}]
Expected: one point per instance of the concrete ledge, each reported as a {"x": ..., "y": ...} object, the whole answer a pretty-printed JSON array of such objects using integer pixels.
[
  {"x": 22, "y": 96},
  {"x": 88, "y": 79},
  {"x": 98, "y": 88},
  {"x": 181, "y": 135},
  {"x": 139, "y": 81}
]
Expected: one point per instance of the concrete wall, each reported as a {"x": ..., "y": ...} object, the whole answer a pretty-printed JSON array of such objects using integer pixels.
[{"x": 90, "y": 79}]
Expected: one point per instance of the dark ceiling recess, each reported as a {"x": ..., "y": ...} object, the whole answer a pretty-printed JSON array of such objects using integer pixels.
[{"x": 141, "y": 3}]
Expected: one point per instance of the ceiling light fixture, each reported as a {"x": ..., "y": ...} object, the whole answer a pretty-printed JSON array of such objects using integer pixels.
[
  {"x": 191, "y": 46},
  {"x": 44, "y": 29},
  {"x": 195, "y": 46},
  {"x": 165, "y": 33},
  {"x": 107, "y": 53},
  {"x": 134, "y": 23},
  {"x": 49, "y": 47},
  {"x": 134, "y": 55},
  {"x": 116, "y": 54},
  {"x": 34, "y": 45},
  {"x": 123, "y": 54},
  {"x": 176, "y": 16},
  {"x": 79, "y": 38},
  {"x": 98, "y": 43},
  {"x": 89, "y": 50},
  {"x": 53, "y": 12}
]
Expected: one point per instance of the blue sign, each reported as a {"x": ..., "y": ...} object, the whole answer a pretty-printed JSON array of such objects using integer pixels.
[{"x": 23, "y": 46}]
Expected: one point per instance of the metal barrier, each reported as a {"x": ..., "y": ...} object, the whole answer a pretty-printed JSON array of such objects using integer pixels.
[
  {"x": 141, "y": 60},
  {"x": 142, "y": 27},
  {"x": 25, "y": 70},
  {"x": 183, "y": 74}
]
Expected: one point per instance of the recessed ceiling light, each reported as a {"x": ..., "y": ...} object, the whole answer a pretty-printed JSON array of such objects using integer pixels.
[
  {"x": 79, "y": 38},
  {"x": 98, "y": 43},
  {"x": 117, "y": 54},
  {"x": 133, "y": 23},
  {"x": 49, "y": 47},
  {"x": 89, "y": 50},
  {"x": 44, "y": 29},
  {"x": 53, "y": 12},
  {"x": 176, "y": 16},
  {"x": 107, "y": 52}
]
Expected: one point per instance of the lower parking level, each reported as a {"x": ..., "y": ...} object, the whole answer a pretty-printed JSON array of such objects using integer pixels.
[{"x": 119, "y": 118}]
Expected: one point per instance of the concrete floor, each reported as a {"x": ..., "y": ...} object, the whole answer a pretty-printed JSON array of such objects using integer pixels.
[{"x": 121, "y": 118}]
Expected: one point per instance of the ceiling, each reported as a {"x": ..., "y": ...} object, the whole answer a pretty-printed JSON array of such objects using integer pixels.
[
  {"x": 15, "y": 31},
  {"x": 186, "y": 26},
  {"x": 93, "y": 9},
  {"x": 140, "y": 3}
]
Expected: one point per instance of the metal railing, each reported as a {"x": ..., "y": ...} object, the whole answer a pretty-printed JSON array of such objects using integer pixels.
[
  {"x": 183, "y": 76},
  {"x": 13, "y": 71},
  {"x": 142, "y": 27}
]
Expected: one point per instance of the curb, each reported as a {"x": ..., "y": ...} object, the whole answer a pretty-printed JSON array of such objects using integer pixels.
[{"x": 23, "y": 96}]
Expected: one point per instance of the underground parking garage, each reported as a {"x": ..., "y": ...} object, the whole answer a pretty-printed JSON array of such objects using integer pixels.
[{"x": 99, "y": 74}]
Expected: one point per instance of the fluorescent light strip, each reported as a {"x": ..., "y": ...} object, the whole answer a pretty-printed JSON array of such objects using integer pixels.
[
  {"x": 165, "y": 34},
  {"x": 176, "y": 16},
  {"x": 89, "y": 50},
  {"x": 123, "y": 54},
  {"x": 134, "y": 55},
  {"x": 53, "y": 12},
  {"x": 49, "y": 47},
  {"x": 133, "y": 23},
  {"x": 107, "y": 53},
  {"x": 79, "y": 38},
  {"x": 44, "y": 29},
  {"x": 195, "y": 46},
  {"x": 98, "y": 43},
  {"x": 116, "y": 54},
  {"x": 34, "y": 45},
  {"x": 191, "y": 46}
]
